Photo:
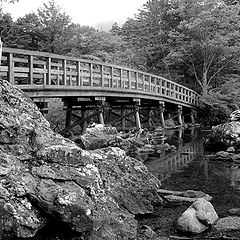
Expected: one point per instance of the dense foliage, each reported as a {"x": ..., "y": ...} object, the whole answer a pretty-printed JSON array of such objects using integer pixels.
[{"x": 193, "y": 42}]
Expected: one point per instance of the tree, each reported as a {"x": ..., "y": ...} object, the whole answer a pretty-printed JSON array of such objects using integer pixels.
[
  {"x": 29, "y": 32},
  {"x": 54, "y": 27},
  {"x": 208, "y": 44},
  {"x": 194, "y": 40}
]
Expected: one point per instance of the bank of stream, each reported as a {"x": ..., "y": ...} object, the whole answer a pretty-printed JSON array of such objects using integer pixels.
[{"x": 189, "y": 169}]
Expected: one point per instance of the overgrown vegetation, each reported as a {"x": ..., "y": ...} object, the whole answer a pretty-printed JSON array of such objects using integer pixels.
[{"x": 193, "y": 42}]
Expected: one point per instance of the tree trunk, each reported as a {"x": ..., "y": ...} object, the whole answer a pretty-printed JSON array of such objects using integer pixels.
[
  {"x": 0, "y": 51},
  {"x": 205, "y": 85}
]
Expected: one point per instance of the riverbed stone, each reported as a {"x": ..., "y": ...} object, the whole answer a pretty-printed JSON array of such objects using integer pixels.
[
  {"x": 224, "y": 136},
  {"x": 234, "y": 211},
  {"x": 188, "y": 196},
  {"x": 198, "y": 217},
  {"x": 43, "y": 174},
  {"x": 227, "y": 224}
]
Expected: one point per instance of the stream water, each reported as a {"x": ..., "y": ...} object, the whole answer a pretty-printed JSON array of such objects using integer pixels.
[{"x": 189, "y": 168}]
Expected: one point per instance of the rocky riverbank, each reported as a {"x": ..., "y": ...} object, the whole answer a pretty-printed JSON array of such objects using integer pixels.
[{"x": 45, "y": 176}]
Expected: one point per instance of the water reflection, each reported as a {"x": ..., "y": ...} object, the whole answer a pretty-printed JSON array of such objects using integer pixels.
[
  {"x": 230, "y": 172},
  {"x": 165, "y": 163}
]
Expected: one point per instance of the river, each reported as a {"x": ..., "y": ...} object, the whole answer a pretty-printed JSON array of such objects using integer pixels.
[{"x": 189, "y": 168}]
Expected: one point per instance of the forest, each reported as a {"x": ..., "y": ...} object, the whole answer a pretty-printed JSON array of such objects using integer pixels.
[{"x": 193, "y": 42}]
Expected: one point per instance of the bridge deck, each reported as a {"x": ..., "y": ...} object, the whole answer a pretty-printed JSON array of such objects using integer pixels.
[{"x": 50, "y": 75}]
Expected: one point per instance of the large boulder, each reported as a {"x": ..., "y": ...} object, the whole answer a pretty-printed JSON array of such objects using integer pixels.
[
  {"x": 43, "y": 175},
  {"x": 198, "y": 217},
  {"x": 224, "y": 136},
  {"x": 98, "y": 136}
]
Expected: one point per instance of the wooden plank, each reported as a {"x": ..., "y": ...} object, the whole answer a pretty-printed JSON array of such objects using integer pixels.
[
  {"x": 4, "y": 68},
  {"x": 30, "y": 62},
  {"x": 16, "y": 74},
  {"x": 39, "y": 70}
]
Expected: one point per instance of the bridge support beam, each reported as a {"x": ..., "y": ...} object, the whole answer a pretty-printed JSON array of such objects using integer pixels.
[
  {"x": 150, "y": 115},
  {"x": 68, "y": 114},
  {"x": 100, "y": 108},
  {"x": 180, "y": 120},
  {"x": 162, "y": 109},
  {"x": 192, "y": 115},
  {"x": 137, "y": 103},
  {"x": 84, "y": 115},
  {"x": 123, "y": 120}
]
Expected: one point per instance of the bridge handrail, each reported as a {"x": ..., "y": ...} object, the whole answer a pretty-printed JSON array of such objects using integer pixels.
[{"x": 72, "y": 71}]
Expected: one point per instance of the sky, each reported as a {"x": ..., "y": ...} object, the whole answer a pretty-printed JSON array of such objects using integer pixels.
[{"x": 100, "y": 14}]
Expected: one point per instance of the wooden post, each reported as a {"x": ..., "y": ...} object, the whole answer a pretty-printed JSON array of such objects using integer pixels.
[
  {"x": 162, "y": 109},
  {"x": 91, "y": 75},
  {"x": 109, "y": 114},
  {"x": 150, "y": 117},
  {"x": 10, "y": 68},
  {"x": 30, "y": 62},
  {"x": 123, "y": 121},
  {"x": 137, "y": 103},
  {"x": 84, "y": 113},
  {"x": 192, "y": 114},
  {"x": 49, "y": 71},
  {"x": 68, "y": 115},
  {"x": 0, "y": 51},
  {"x": 121, "y": 79},
  {"x": 102, "y": 76},
  {"x": 111, "y": 77},
  {"x": 64, "y": 72},
  {"x": 180, "y": 115},
  {"x": 78, "y": 78},
  {"x": 136, "y": 81},
  {"x": 100, "y": 108},
  {"x": 129, "y": 80}
]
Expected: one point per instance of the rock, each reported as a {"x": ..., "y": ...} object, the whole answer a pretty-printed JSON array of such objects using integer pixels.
[
  {"x": 189, "y": 196},
  {"x": 236, "y": 158},
  {"x": 43, "y": 175},
  {"x": 198, "y": 217},
  {"x": 234, "y": 211},
  {"x": 224, "y": 136},
  {"x": 235, "y": 115},
  {"x": 137, "y": 190},
  {"x": 222, "y": 155},
  {"x": 227, "y": 224},
  {"x": 231, "y": 149},
  {"x": 147, "y": 232},
  {"x": 169, "y": 123},
  {"x": 98, "y": 136}
]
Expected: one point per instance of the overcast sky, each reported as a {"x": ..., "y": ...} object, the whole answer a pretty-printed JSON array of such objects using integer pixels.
[{"x": 96, "y": 13}]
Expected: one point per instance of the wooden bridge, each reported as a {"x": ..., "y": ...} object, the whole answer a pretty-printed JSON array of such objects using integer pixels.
[{"x": 113, "y": 94}]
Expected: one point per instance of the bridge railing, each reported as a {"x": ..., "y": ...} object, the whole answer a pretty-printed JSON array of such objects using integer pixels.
[{"x": 23, "y": 67}]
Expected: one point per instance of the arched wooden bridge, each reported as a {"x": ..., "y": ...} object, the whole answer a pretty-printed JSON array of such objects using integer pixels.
[{"x": 89, "y": 85}]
